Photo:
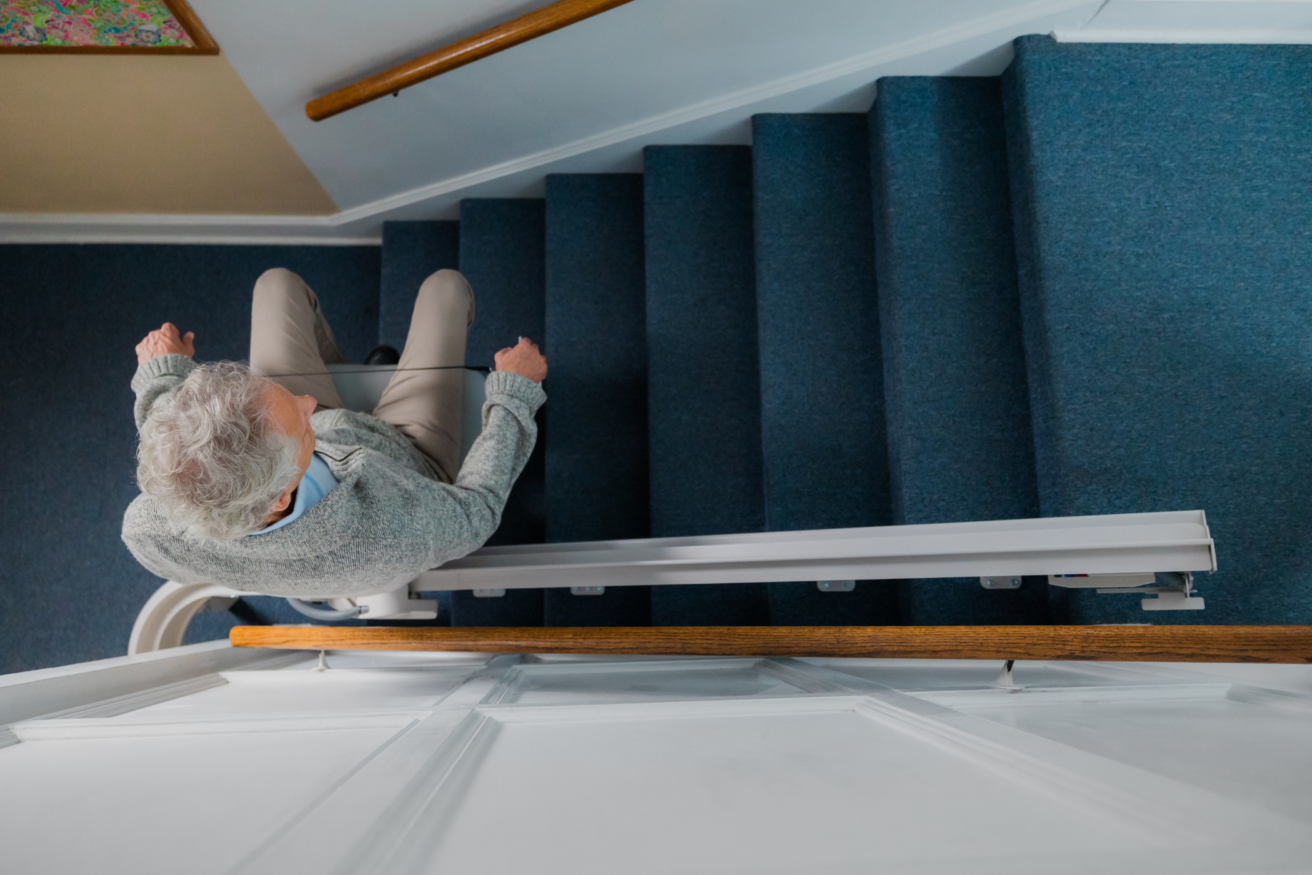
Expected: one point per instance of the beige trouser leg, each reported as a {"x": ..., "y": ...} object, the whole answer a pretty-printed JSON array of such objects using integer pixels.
[
  {"x": 423, "y": 403},
  {"x": 290, "y": 339}
]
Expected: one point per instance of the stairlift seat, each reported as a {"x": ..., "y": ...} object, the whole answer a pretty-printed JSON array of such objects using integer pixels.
[{"x": 360, "y": 388}]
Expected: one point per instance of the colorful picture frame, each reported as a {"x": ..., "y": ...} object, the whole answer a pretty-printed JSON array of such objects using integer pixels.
[{"x": 105, "y": 27}]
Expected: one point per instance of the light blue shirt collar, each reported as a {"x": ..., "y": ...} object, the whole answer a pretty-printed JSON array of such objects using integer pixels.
[{"x": 317, "y": 482}]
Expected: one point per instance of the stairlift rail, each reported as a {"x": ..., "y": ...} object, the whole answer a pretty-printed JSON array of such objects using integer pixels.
[
  {"x": 1176, "y": 541},
  {"x": 1116, "y": 553}
]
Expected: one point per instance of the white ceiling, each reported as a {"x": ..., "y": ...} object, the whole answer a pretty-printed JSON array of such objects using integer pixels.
[
  {"x": 589, "y": 97},
  {"x": 652, "y": 64},
  {"x": 1197, "y": 21}
]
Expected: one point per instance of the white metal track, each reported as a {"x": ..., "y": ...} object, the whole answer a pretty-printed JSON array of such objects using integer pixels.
[{"x": 1120, "y": 543}]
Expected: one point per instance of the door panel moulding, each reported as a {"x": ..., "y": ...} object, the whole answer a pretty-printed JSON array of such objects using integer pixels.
[
  {"x": 382, "y": 788},
  {"x": 92, "y": 727},
  {"x": 114, "y": 686}
]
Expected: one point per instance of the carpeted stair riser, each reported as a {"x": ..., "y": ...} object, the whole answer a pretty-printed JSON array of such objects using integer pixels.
[
  {"x": 704, "y": 401},
  {"x": 822, "y": 407},
  {"x": 959, "y": 439},
  {"x": 502, "y": 245},
  {"x": 596, "y": 452},
  {"x": 411, "y": 252},
  {"x": 1163, "y": 241}
]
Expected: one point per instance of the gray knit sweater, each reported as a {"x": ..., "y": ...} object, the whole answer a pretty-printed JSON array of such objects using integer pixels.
[{"x": 388, "y": 519}]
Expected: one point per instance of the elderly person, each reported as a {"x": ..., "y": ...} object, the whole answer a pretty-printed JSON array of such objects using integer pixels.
[{"x": 255, "y": 478}]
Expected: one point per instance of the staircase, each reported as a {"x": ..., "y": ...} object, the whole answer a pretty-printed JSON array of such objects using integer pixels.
[{"x": 1082, "y": 288}]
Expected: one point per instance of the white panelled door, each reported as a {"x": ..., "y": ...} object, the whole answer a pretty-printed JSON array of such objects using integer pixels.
[{"x": 418, "y": 763}]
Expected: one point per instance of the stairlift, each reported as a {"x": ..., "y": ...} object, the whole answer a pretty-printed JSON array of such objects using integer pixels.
[
  {"x": 1149, "y": 554},
  {"x": 360, "y": 387},
  {"x": 1174, "y": 591},
  {"x": 162, "y": 622}
]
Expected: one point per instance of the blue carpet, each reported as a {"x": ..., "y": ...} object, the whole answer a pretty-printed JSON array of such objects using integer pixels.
[
  {"x": 822, "y": 404},
  {"x": 518, "y": 607},
  {"x": 69, "y": 589},
  {"x": 1163, "y": 231},
  {"x": 596, "y": 455},
  {"x": 704, "y": 404},
  {"x": 959, "y": 440},
  {"x": 411, "y": 252},
  {"x": 873, "y": 602},
  {"x": 502, "y": 255},
  {"x": 617, "y": 606}
]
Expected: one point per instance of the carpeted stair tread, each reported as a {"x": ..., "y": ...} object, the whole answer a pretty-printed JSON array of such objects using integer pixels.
[
  {"x": 411, "y": 252},
  {"x": 955, "y": 395},
  {"x": 596, "y": 452},
  {"x": 1162, "y": 231},
  {"x": 704, "y": 402},
  {"x": 502, "y": 244},
  {"x": 822, "y": 406}
]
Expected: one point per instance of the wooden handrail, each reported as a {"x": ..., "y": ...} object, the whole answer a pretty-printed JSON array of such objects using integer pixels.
[
  {"x": 1272, "y": 644},
  {"x": 495, "y": 39}
]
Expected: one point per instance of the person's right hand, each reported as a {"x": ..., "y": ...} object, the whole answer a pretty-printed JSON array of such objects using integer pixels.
[
  {"x": 524, "y": 359},
  {"x": 165, "y": 340}
]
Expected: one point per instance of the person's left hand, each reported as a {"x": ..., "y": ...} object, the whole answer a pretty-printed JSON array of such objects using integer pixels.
[
  {"x": 524, "y": 359},
  {"x": 163, "y": 341}
]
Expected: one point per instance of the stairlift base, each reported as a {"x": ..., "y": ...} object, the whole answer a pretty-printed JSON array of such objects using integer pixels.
[
  {"x": 1178, "y": 595},
  {"x": 398, "y": 604}
]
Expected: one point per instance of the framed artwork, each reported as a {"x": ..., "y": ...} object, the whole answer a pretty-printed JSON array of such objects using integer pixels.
[{"x": 145, "y": 27}]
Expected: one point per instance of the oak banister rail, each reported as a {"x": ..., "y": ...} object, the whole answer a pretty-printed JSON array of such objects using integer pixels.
[
  {"x": 488, "y": 42},
  {"x": 1185, "y": 643}
]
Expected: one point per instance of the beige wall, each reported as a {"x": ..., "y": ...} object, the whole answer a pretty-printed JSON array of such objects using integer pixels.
[{"x": 134, "y": 134}]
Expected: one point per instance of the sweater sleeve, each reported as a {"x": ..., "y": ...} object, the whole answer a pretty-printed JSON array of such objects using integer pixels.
[
  {"x": 494, "y": 461},
  {"x": 156, "y": 377}
]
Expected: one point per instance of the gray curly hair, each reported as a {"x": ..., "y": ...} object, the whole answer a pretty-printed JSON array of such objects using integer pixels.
[{"x": 211, "y": 454}]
